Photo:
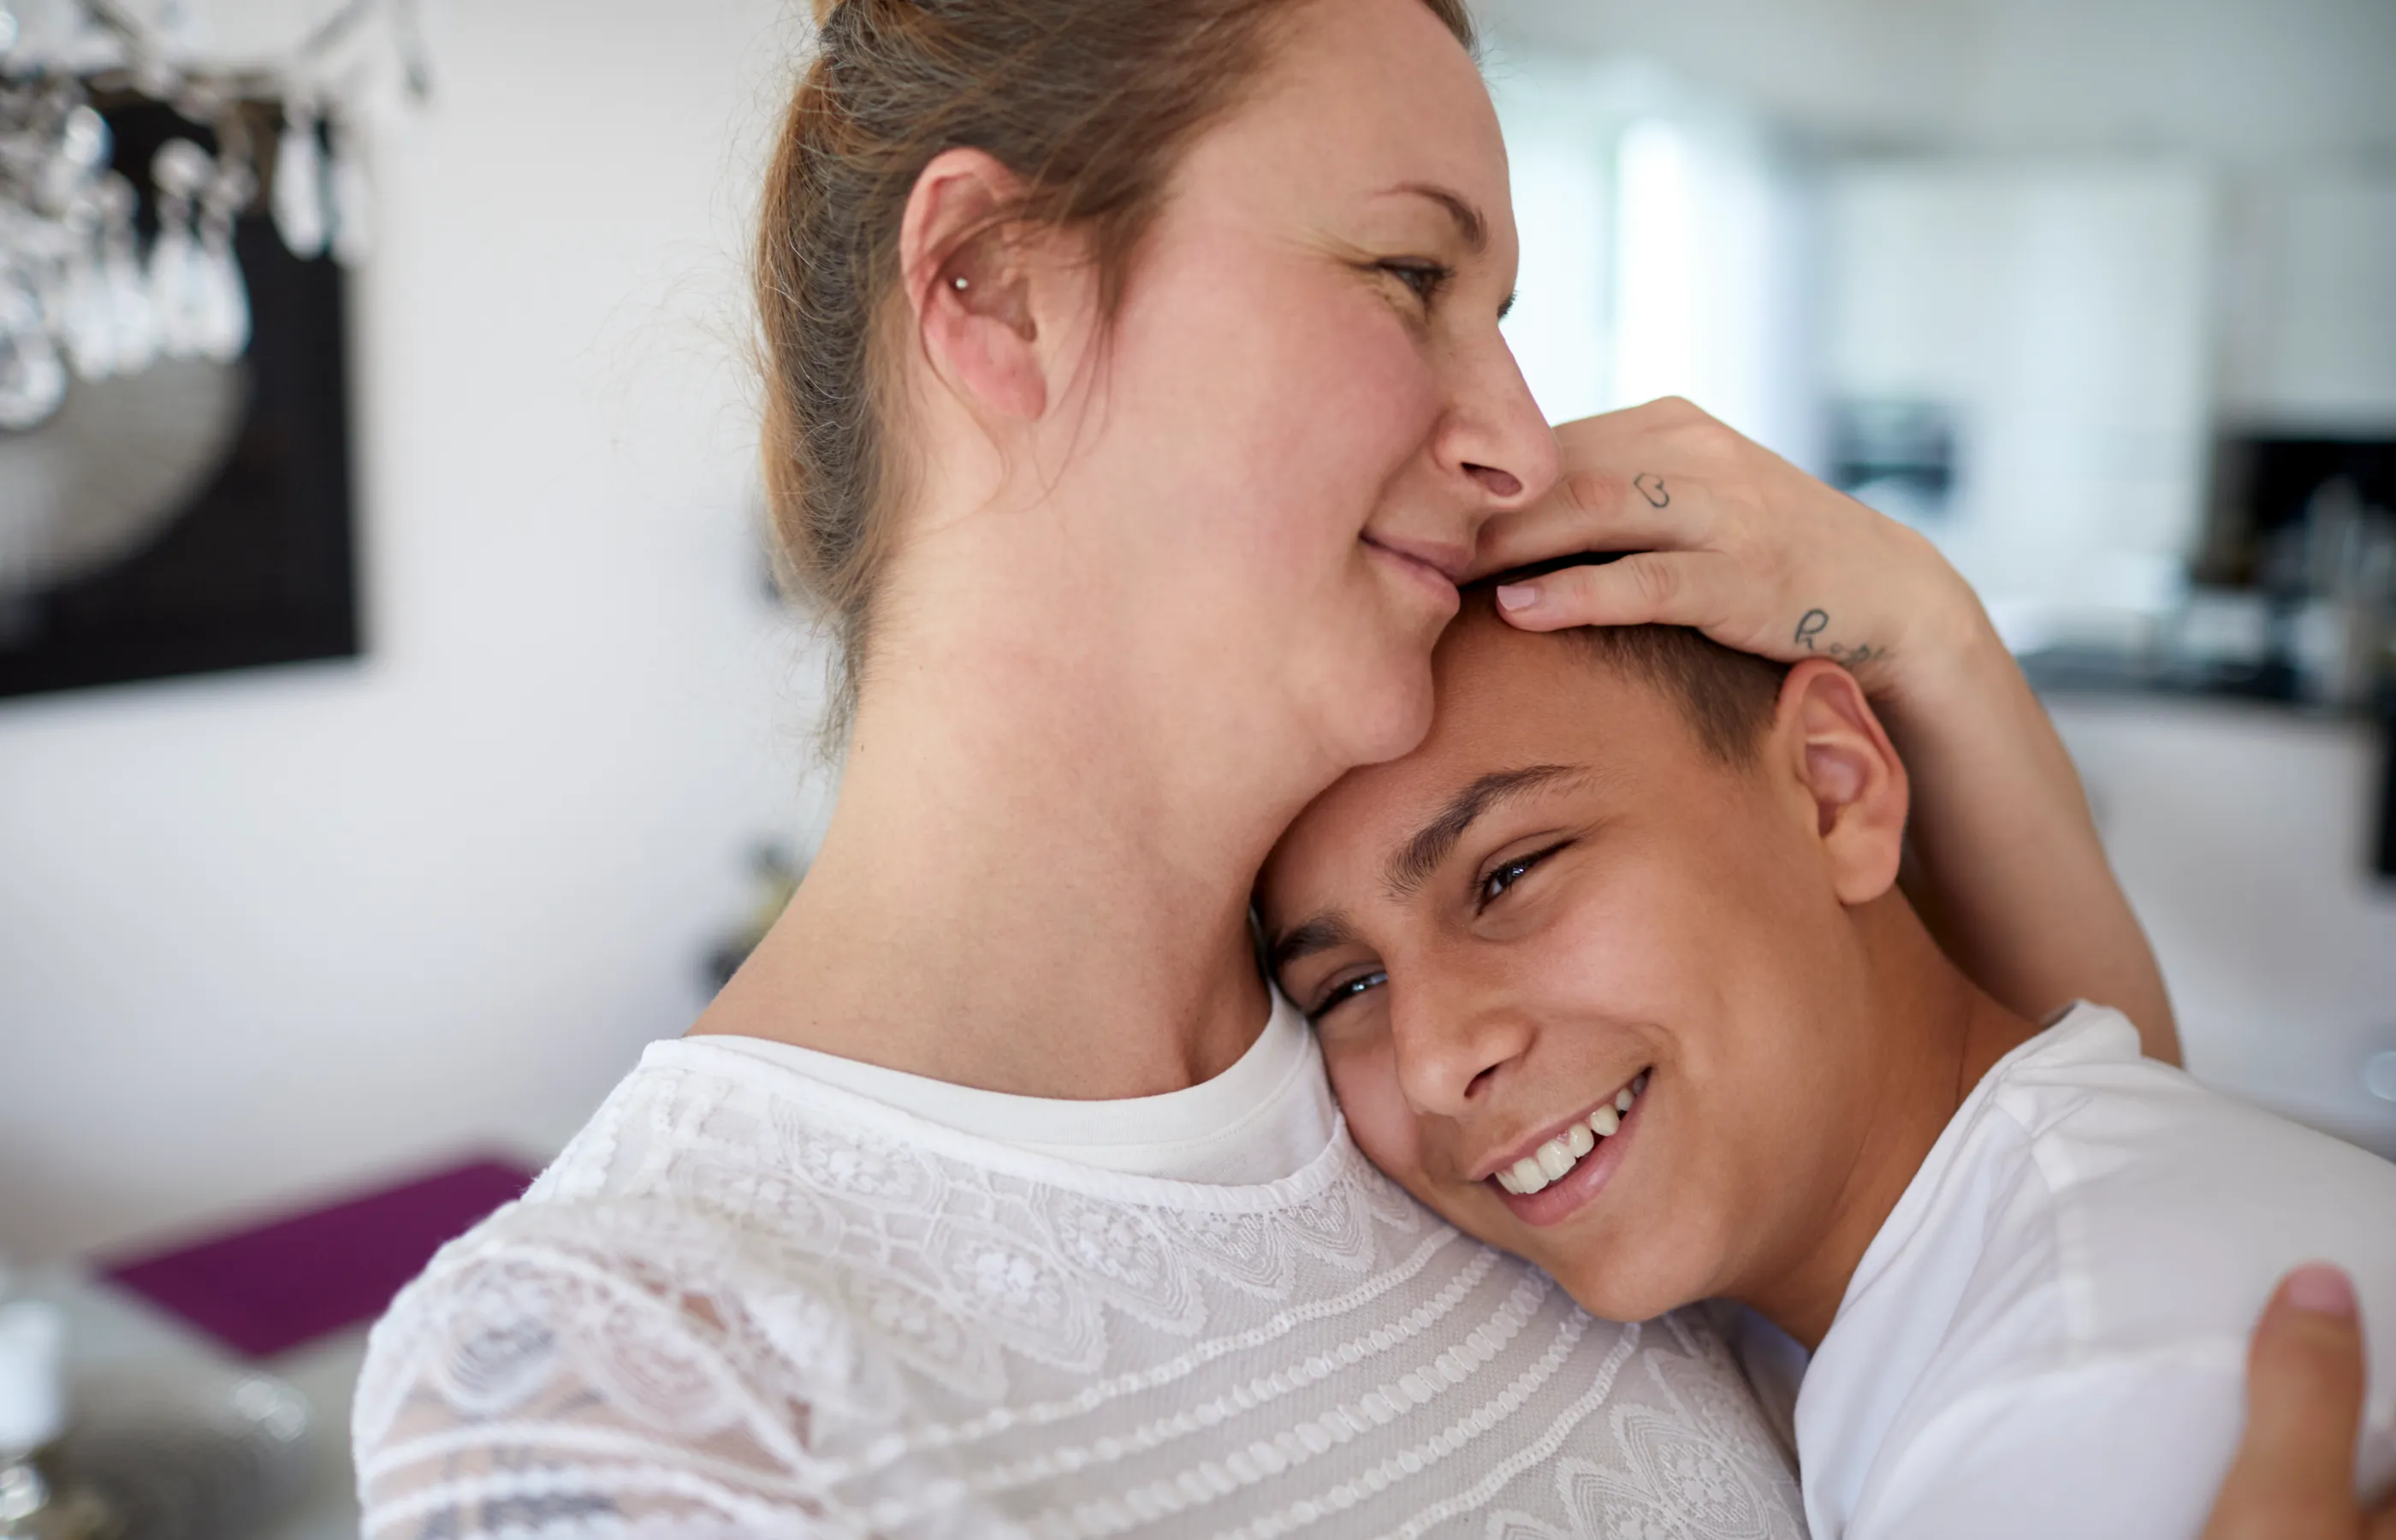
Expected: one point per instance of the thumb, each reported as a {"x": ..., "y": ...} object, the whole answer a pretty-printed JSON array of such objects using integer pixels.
[{"x": 2293, "y": 1475}]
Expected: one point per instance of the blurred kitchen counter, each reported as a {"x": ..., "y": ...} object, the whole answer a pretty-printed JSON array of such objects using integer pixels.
[
  {"x": 2243, "y": 831},
  {"x": 116, "y": 1335}
]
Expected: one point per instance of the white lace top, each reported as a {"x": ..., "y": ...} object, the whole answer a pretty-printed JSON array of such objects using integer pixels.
[
  {"x": 1267, "y": 1116},
  {"x": 748, "y": 1302}
]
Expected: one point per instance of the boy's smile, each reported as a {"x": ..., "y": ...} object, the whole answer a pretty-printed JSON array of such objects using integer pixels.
[
  {"x": 1556, "y": 1175},
  {"x": 1601, "y": 992}
]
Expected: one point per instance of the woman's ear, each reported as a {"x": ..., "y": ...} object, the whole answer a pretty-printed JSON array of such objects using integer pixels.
[
  {"x": 1846, "y": 766},
  {"x": 969, "y": 283}
]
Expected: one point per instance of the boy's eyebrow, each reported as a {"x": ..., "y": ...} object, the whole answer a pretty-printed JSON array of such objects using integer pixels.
[
  {"x": 1420, "y": 856},
  {"x": 1324, "y": 932}
]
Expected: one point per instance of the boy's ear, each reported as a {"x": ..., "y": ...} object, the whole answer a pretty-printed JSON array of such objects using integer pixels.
[
  {"x": 1846, "y": 767},
  {"x": 970, "y": 283}
]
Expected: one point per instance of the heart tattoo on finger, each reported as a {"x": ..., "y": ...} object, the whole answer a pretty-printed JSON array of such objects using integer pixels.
[{"x": 1651, "y": 487}]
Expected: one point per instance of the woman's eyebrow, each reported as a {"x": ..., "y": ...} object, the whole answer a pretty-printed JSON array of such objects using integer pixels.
[
  {"x": 1470, "y": 224},
  {"x": 1419, "y": 856}
]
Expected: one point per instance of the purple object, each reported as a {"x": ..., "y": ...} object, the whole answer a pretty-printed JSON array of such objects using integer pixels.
[{"x": 271, "y": 1288}]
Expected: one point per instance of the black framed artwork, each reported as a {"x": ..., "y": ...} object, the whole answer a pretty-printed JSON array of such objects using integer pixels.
[{"x": 194, "y": 516}]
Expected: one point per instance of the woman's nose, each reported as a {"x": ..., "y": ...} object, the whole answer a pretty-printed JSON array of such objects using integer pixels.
[{"x": 1496, "y": 438}]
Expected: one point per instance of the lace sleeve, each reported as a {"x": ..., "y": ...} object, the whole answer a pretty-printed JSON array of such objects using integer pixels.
[{"x": 540, "y": 1382}]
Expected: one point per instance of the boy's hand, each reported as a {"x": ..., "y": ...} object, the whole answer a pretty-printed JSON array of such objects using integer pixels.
[
  {"x": 1735, "y": 541},
  {"x": 2294, "y": 1477}
]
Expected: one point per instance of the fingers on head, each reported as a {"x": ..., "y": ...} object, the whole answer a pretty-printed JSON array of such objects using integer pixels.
[
  {"x": 1582, "y": 512},
  {"x": 1674, "y": 411},
  {"x": 1595, "y": 494},
  {"x": 1636, "y": 591},
  {"x": 1595, "y": 509},
  {"x": 1658, "y": 587}
]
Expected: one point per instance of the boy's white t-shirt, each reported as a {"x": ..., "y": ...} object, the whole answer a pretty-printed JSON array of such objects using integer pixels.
[{"x": 2048, "y": 1336}]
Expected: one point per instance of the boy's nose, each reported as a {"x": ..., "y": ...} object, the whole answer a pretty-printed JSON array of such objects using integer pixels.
[{"x": 1451, "y": 1050}]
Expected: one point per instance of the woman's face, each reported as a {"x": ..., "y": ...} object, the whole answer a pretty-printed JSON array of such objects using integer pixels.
[{"x": 1306, "y": 411}]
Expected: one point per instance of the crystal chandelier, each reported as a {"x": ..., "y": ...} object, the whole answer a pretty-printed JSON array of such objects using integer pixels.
[{"x": 96, "y": 278}]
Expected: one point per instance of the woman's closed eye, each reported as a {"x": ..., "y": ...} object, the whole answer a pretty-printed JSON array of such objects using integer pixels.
[
  {"x": 1494, "y": 883},
  {"x": 1425, "y": 280},
  {"x": 1350, "y": 987}
]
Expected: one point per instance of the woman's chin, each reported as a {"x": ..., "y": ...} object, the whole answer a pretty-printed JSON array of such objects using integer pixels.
[{"x": 1383, "y": 720}]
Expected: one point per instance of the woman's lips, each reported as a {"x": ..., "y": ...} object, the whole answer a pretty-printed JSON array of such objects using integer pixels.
[{"x": 1435, "y": 568}]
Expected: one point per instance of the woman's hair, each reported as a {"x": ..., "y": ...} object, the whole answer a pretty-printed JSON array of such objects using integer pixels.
[{"x": 1090, "y": 103}]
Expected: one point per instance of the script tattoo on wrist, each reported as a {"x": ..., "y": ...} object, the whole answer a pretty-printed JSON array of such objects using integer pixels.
[
  {"x": 1651, "y": 487},
  {"x": 1810, "y": 627}
]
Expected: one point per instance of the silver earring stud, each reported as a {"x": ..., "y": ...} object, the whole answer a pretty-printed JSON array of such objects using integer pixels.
[{"x": 959, "y": 284}]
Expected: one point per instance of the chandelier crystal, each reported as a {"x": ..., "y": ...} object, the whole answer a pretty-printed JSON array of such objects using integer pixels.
[{"x": 90, "y": 288}]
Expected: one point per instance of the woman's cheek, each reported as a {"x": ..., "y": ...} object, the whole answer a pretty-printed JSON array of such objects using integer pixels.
[{"x": 1358, "y": 407}]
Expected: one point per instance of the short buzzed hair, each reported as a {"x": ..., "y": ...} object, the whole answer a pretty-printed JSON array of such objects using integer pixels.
[{"x": 1727, "y": 696}]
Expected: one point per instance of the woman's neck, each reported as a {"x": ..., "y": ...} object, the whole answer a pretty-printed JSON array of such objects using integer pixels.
[{"x": 1035, "y": 881}]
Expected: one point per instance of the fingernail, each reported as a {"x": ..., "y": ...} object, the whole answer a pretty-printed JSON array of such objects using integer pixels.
[
  {"x": 2319, "y": 1287},
  {"x": 1518, "y": 596}
]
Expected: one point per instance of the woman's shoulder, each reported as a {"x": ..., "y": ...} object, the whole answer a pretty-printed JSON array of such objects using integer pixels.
[
  {"x": 566, "y": 1356},
  {"x": 720, "y": 1221},
  {"x": 733, "y": 1303},
  {"x": 654, "y": 1291}
]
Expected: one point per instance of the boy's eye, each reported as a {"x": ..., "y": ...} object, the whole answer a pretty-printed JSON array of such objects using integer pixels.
[
  {"x": 1426, "y": 279},
  {"x": 1344, "y": 991},
  {"x": 1494, "y": 882}
]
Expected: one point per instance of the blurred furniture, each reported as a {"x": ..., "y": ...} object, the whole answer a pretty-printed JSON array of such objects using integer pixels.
[
  {"x": 2243, "y": 832},
  {"x": 214, "y": 1379},
  {"x": 276, "y": 1287},
  {"x": 139, "y": 1362}
]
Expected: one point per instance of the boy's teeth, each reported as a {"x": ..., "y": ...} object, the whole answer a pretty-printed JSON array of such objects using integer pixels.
[{"x": 1552, "y": 1159}]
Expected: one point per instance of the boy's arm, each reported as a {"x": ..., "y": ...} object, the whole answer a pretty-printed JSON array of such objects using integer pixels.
[
  {"x": 2105, "y": 1451},
  {"x": 2126, "y": 1449}
]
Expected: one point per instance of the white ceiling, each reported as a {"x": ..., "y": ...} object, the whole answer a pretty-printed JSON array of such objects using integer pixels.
[{"x": 2260, "y": 82}]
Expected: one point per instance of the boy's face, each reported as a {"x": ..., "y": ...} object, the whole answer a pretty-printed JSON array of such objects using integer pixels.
[{"x": 1561, "y": 896}]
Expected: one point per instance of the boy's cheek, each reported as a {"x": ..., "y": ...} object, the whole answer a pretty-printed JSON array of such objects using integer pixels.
[{"x": 1365, "y": 1080}]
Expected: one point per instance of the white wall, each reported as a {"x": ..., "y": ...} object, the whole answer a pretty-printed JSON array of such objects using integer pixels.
[
  {"x": 2062, "y": 311},
  {"x": 1667, "y": 249},
  {"x": 264, "y": 933}
]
